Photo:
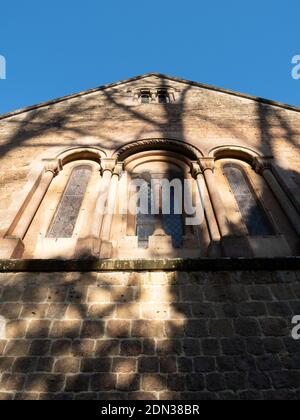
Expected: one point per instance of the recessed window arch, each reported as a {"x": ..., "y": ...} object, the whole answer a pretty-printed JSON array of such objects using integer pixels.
[
  {"x": 154, "y": 169},
  {"x": 179, "y": 233},
  {"x": 64, "y": 221},
  {"x": 66, "y": 211},
  {"x": 252, "y": 212}
]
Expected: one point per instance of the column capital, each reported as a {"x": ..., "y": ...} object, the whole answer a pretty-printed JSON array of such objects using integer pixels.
[
  {"x": 53, "y": 165},
  {"x": 196, "y": 169},
  {"x": 108, "y": 164},
  {"x": 261, "y": 164},
  {"x": 118, "y": 169},
  {"x": 207, "y": 163}
]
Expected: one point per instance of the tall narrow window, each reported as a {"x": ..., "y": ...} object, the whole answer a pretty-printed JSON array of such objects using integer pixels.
[
  {"x": 145, "y": 223},
  {"x": 253, "y": 214},
  {"x": 172, "y": 223},
  {"x": 65, "y": 219},
  {"x": 163, "y": 97},
  {"x": 145, "y": 97}
]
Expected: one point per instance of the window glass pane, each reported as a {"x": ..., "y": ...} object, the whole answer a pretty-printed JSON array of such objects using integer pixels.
[
  {"x": 162, "y": 98},
  {"x": 145, "y": 98},
  {"x": 145, "y": 222},
  {"x": 66, "y": 217},
  {"x": 172, "y": 224},
  {"x": 253, "y": 215}
]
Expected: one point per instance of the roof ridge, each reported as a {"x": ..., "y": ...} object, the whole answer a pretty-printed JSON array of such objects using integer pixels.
[{"x": 140, "y": 77}]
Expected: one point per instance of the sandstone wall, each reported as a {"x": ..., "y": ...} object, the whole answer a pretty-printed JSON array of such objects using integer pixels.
[
  {"x": 153, "y": 335},
  {"x": 108, "y": 119}
]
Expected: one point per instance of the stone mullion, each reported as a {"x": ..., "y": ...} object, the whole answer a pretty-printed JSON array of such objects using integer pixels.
[
  {"x": 207, "y": 166},
  {"x": 107, "y": 167},
  {"x": 207, "y": 205},
  {"x": 111, "y": 203}
]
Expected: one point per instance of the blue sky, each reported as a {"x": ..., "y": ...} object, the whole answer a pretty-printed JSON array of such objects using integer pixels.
[{"x": 54, "y": 48}]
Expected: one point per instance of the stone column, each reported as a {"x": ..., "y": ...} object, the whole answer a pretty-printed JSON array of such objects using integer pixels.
[
  {"x": 111, "y": 203},
  {"x": 263, "y": 167},
  {"x": 207, "y": 165},
  {"x": 153, "y": 95},
  {"x": 107, "y": 168},
  {"x": 91, "y": 243},
  {"x": 207, "y": 206},
  {"x": 52, "y": 168}
]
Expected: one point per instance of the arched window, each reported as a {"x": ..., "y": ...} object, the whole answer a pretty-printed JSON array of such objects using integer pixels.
[
  {"x": 251, "y": 210},
  {"x": 66, "y": 216},
  {"x": 164, "y": 211},
  {"x": 145, "y": 97},
  {"x": 163, "y": 97}
]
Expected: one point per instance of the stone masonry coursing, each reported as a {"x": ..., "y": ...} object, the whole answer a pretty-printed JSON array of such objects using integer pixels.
[
  {"x": 107, "y": 118},
  {"x": 151, "y": 335}
]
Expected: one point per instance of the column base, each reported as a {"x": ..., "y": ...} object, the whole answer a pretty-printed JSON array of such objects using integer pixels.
[
  {"x": 87, "y": 248},
  {"x": 214, "y": 250},
  {"x": 11, "y": 248},
  {"x": 236, "y": 247},
  {"x": 106, "y": 250},
  {"x": 270, "y": 247},
  {"x": 160, "y": 242}
]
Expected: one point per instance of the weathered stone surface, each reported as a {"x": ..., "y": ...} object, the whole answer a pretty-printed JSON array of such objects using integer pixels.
[{"x": 225, "y": 349}]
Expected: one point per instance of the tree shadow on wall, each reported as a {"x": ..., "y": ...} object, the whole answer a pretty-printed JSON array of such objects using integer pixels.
[{"x": 145, "y": 335}]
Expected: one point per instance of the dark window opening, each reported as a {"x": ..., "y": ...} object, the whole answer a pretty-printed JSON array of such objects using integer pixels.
[
  {"x": 253, "y": 214},
  {"x": 163, "y": 97}
]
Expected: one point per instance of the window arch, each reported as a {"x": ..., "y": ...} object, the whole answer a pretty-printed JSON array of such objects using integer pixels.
[
  {"x": 66, "y": 216},
  {"x": 163, "y": 96},
  {"x": 251, "y": 210},
  {"x": 171, "y": 230},
  {"x": 145, "y": 96}
]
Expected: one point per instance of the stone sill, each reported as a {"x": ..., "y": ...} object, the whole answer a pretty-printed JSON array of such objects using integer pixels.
[{"x": 201, "y": 264}]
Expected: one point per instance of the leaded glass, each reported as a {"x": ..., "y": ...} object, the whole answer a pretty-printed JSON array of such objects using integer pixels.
[
  {"x": 145, "y": 223},
  {"x": 66, "y": 216},
  {"x": 171, "y": 223},
  {"x": 253, "y": 215}
]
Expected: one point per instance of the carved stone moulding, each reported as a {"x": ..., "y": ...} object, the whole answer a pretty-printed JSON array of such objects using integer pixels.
[{"x": 176, "y": 146}]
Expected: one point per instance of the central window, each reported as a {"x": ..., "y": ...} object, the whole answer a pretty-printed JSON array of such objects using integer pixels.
[
  {"x": 164, "y": 210},
  {"x": 155, "y": 95},
  {"x": 164, "y": 223}
]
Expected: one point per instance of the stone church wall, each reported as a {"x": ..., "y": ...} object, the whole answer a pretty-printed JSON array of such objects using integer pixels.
[
  {"x": 108, "y": 119},
  {"x": 150, "y": 335}
]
